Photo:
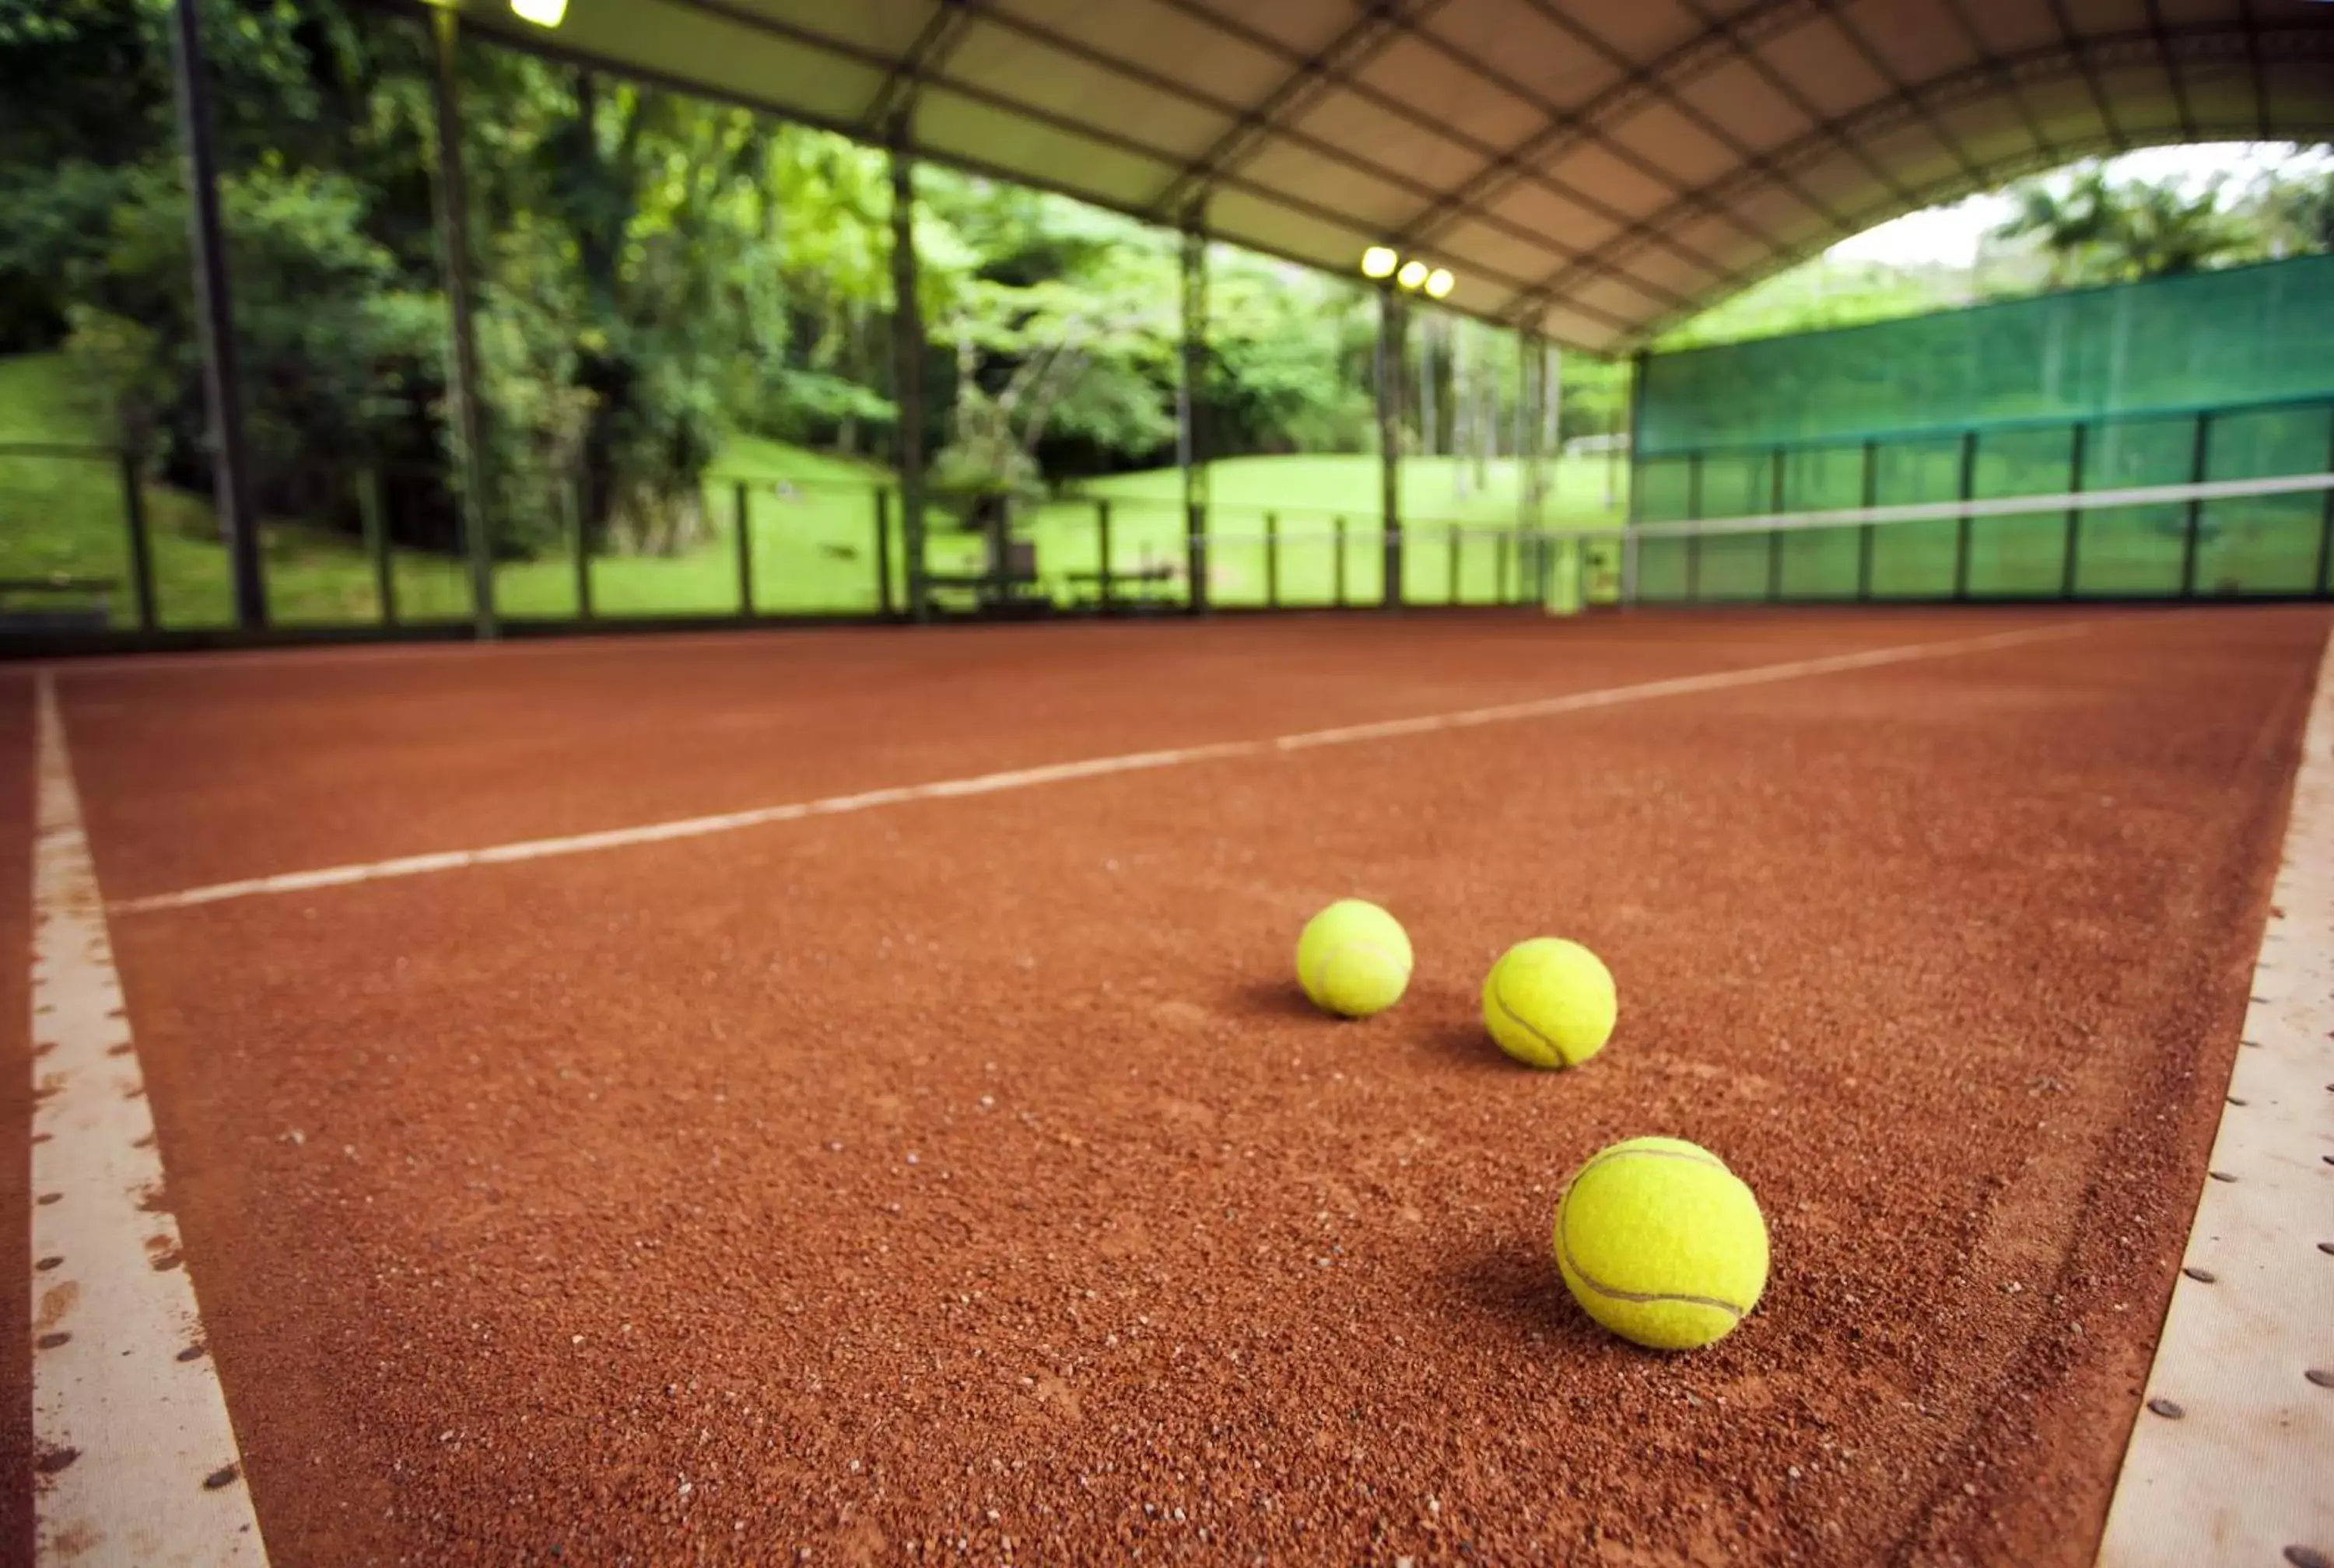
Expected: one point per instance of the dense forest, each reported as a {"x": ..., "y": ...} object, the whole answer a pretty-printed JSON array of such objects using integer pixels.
[{"x": 655, "y": 273}]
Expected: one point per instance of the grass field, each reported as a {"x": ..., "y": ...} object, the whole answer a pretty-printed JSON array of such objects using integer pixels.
[{"x": 812, "y": 520}]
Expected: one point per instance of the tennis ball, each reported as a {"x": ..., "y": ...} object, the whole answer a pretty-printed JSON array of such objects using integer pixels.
[
  {"x": 1354, "y": 958},
  {"x": 1662, "y": 1244},
  {"x": 1549, "y": 1003}
]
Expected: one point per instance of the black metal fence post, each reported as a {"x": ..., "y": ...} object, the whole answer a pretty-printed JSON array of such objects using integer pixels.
[
  {"x": 1338, "y": 527},
  {"x": 2200, "y": 460},
  {"x": 1393, "y": 374},
  {"x": 745, "y": 554},
  {"x": 142, "y": 548},
  {"x": 2326, "y": 514},
  {"x": 1192, "y": 404},
  {"x": 1694, "y": 536},
  {"x": 1107, "y": 580},
  {"x": 1500, "y": 568},
  {"x": 2072, "y": 553},
  {"x": 374, "y": 514},
  {"x": 1863, "y": 535},
  {"x": 1272, "y": 560},
  {"x": 579, "y": 494},
  {"x": 1453, "y": 541},
  {"x": 458, "y": 267},
  {"x": 882, "y": 551},
  {"x": 1775, "y": 536},
  {"x": 1963, "y": 490}
]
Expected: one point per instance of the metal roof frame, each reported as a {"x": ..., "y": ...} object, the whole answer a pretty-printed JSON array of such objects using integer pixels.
[{"x": 1593, "y": 170}]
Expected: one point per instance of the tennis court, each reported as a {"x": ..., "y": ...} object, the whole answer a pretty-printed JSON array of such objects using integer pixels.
[{"x": 830, "y": 1096}]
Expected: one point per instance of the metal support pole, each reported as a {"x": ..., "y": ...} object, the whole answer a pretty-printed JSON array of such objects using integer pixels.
[
  {"x": 1391, "y": 317},
  {"x": 579, "y": 502},
  {"x": 1531, "y": 396},
  {"x": 1865, "y": 535},
  {"x": 1106, "y": 580},
  {"x": 2200, "y": 460},
  {"x": 374, "y": 514},
  {"x": 141, "y": 547},
  {"x": 1774, "y": 536},
  {"x": 1340, "y": 570},
  {"x": 1629, "y": 545},
  {"x": 215, "y": 318},
  {"x": 1693, "y": 514},
  {"x": 2326, "y": 514},
  {"x": 2071, "y": 556},
  {"x": 908, "y": 364},
  {"x": 882, "y": 551},
  {"x": 462, "y": 386},
  {"x": 1190, "y": 397},
  {"x": 745, "y": 554},
  {"x": 1454, "y": 539},
  {"x": 1499, "y": 568},
  {"x": 1272, "y": 560},
  {"x": 1963, "y": 490}
]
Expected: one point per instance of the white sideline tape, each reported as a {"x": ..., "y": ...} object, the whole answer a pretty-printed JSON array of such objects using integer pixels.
[
  {"x": 137, "y": 1459},
  {"x": 2232, "y": 1454},
  {"x": 1093, "y": 767}
]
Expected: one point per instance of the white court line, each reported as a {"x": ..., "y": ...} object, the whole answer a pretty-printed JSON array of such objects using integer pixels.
[
  {"x": 137, "y": 1459},
  {"x": 2231, "y": 1454},
  {"x": 1091, "y": 767}
]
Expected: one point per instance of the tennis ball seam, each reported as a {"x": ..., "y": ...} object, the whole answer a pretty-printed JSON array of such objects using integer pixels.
[
  {"x": 1316, "y": 982},
  {"x": 1606, "y": 1157},
  {"x": 1499, "y": 1000},
  {"x": 1641, "y": 1298}
]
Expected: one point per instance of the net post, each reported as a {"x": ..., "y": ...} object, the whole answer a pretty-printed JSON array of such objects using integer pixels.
[
  {"x": 1106, "y": 584},
  {"x": 2199, "y": 460},
  {"x": 745, "y": 556},
  {"x": 882, "y": 551},
  {"x": 1865, "y": 535},
  {"x": 2326, "y": 516},
  {"x": 141, "y": 547},
  {"x": 1693, "y": 514},
  {"x": 2072, "y": 557},
  {"x": 1963, "y": 489},
  {"x": 1272, "y": 560},
  {"x": 1774, "y": 536},
  {"x": 376, "y": 545},
  {"x": 1338, "y": 527}
]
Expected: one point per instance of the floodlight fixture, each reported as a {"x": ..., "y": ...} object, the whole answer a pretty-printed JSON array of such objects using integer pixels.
[
  {"x": 1379, "y": 261},
  {"x": 542, "y": 12},
  {"x": 1439, "y": 282},
  {"x": 1413, "y": 273}
]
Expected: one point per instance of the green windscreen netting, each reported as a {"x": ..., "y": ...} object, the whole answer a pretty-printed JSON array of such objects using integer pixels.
[{"x": 2211, "y": 377}]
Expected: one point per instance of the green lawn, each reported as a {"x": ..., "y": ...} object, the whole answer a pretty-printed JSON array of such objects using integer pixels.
[{"x": 812, "y": 523}]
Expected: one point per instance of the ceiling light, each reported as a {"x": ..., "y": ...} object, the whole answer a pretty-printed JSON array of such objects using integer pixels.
[
  {"x": 1438, "y": 283},
  {"x": 542, "y": 12},
  {"x": 1413, "y": 273},
  {"x": 1379, "y": 261}
]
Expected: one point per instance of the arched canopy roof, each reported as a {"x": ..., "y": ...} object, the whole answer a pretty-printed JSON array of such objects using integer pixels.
[{"x": 1602, "y": 167}]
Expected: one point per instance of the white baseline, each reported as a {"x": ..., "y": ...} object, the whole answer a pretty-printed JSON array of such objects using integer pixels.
[{"x": 1091, "y": 767}]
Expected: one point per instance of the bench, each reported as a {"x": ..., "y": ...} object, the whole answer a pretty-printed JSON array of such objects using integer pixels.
[
  {"x": 93, "y": 612},
  {"x": 1010, "y": 576},
  {"x": 1146, "y": 578}
]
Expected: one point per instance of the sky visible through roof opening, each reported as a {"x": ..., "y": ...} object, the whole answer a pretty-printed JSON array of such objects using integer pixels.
[{"x": 1949, "y": 235}]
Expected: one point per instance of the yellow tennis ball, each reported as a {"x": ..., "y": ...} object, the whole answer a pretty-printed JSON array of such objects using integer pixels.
[
  {"x": 1662, "y": 1244},
  {"x": 1354, "y": 958},
  {"x": 1549, "y": 1003}
]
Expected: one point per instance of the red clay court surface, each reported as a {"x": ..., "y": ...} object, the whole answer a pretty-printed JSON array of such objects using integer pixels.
[{"x": 960, "y": 1180}]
